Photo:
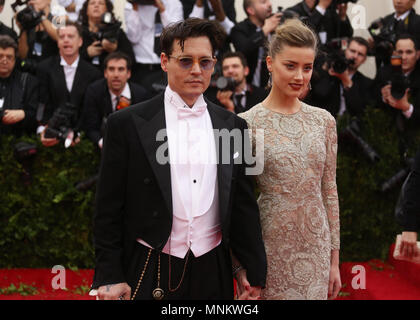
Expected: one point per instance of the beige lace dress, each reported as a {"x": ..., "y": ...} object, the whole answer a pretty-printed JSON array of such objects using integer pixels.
[{"x": 298, "y": 201}]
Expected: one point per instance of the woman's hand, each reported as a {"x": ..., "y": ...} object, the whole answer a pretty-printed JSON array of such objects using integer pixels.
[
  {"x": 95, "y": 49},
  {"x": 334, "y": 284}
]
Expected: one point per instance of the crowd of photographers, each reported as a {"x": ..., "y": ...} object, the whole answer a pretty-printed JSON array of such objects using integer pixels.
[{"x": 63, "y": 75}]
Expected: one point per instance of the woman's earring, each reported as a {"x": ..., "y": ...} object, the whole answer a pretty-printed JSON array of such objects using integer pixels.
[{"x": 270, "y": 81}]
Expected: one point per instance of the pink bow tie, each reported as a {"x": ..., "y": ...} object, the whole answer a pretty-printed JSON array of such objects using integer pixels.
[{"x": 186, "y": 112}]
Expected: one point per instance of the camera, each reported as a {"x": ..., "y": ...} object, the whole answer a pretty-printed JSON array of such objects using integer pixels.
[
  {"x": 143, "y": 2},
  {"x": 398, "y": 81},
  {"x": 226, "y": 84},
  {"x": 333, "y": 55},
  {"x": 29, "y": 18},
  {"x": 109, "y": 28},
  {"x": 384, "y": 37},
  {"x": 62, "y": 122}
]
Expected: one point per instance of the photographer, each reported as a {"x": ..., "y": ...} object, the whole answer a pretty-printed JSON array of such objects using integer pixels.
[
  {"x": 38, "y": 37},
  {"x": 249, "y": 37},
  {"x": 144, "y": 25},
  {"x": 327, "y": 17},
  {"x": 108, "y": 95},
  {"x": 403, "y": 21},
  {"x": 101, "y": 36},
  {"x": 18, "y": 93},
  {"x": 237, "y": 96},
  {"x": 398, "y": 87},
  {"x": 343, "y": 91},
  {"x": 5, "y": 30},
  {"x": 64, "y": 79}
]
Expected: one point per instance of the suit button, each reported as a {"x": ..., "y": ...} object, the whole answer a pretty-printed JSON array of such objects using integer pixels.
[
  {"x": 147, "y": 181},
  {"x": 155, "y": 214}
]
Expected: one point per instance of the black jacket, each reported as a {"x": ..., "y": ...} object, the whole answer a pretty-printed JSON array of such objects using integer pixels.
[
  {"x": 20, "y": 91},
  {"x": 134, "y": 196},
  {"x": 330, "y": 22},
  {"x": 248, "y": 40},
  {"x": 326, "y": 93},
  {"x": 410, "y": 25},
  {"x": 53, "y": 88},
  {"x": 97, "y": 106},
  {"x": 411, "y": 203}
]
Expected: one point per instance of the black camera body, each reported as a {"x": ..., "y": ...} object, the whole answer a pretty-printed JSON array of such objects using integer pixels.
[
  {"x": 398, "y": 81},
  {"x": 62, "y": 121},
  {"x": 109, "y": 28},
  {"x": 29, "y": 18},
  {"x": 384, "y": 37},
  {"x": 337, "y": 2},
  {"x": 226, "y": 84},
  {"x": 335, "y": 57},
  {"x": 1, "y": 114}
]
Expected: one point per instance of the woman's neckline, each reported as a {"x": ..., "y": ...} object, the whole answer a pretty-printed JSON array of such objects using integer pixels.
[{"x": 283, "y": 114}]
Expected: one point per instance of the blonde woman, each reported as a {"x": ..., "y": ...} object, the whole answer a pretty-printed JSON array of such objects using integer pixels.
[{"x": 298, "y": 200}]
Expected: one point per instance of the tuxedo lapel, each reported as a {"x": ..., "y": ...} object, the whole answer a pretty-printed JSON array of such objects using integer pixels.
[
  {"x": 61, "y": 78},
  {"x": 107, "y": 100},
  {"x": 147, "y": 130},
  {"x": 224, "y": 168}
]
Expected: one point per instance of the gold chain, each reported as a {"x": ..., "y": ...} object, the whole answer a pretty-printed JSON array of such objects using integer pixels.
[{"x": 142, "y": 274}]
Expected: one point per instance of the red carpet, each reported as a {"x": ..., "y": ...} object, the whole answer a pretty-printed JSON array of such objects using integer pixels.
[{"x": 391, "y": 280}]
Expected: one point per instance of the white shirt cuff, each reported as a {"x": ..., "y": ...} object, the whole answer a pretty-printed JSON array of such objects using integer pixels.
[
  {"x": 40, "y": 129},
  {"x": 409, "y": 112},
  {"x": 227, "y": 24},
  {"x": 100, "y": 142}
]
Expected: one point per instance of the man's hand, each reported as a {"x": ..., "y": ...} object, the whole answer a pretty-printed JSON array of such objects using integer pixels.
[
  {"x": 408, "y": 246},
  {"x": 159, "y": 4},
  {"x": 48, "y": 142},
  {"x": 342, "y": 11},
  {"x": 109, "y": 46},
  {"x": 271, "y": 23},
  {"x": 225, "y": 99},
  {"x": 219, "y": 12},
  {"x": 95, "y": 49},
  {"x": 13, "y": 116},
  {"x": 401, "y": 104},
  {"x": 118, "y": 291},
  {"x": 344, "y": 77},
  {"x": 244, "y": 289}
]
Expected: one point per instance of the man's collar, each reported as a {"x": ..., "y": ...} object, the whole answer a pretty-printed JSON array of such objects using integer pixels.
[
  {"x": 175, "y": 99},
  {"x": 403, "y": 16},
  {"x": 73, "y": 65}
]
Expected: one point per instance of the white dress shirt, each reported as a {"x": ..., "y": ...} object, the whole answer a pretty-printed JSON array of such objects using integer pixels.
[
  {"x": 193, "y": 165},
  {"x": 69, "y": 71},
  {"x": 198, "y": 12},
  {"x": 126, "y": 93},
  {"x": 141, "y": 27}
]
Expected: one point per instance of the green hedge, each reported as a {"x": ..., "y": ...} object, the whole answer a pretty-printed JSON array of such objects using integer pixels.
[{"x": 50, "y": 221}]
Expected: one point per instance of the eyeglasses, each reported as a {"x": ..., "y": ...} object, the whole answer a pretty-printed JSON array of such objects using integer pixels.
[
  {"x": 186, "y": 62},
  {"x": 8, "y": 57}
]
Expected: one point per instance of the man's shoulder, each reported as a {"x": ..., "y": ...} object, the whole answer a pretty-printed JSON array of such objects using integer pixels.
[
  {"x": 244, "y": 25},
  {"x": 49, "y": 64},
  {"x": 88, "y": 69}
]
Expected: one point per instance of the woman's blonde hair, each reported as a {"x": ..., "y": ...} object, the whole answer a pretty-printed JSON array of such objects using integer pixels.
[{"x": 293, "y": 33}]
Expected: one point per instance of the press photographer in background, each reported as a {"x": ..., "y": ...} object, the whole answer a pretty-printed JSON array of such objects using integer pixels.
[
  {"x": 250, "y": 35},
  {"x": 385, "y": 30},
  {"x": 38, "y": 35},
  {"x": 108, "y": 95},
  {"x": 102, "y": 33},
  {"x": 63, "y": 82},
  {"x": 231, "y": 89},
  {"x": 397, "y": 89},
  {"x": 328, "y": 18},
  {"x": 18, "y": 93},
  {"x": 145, "y": 20},
  {"x": 337, "y": 85},
  {"x": 5, "y": 30}
]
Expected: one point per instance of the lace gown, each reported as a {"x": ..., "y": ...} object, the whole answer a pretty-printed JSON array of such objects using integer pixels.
[{"x": 298, "y": 201}]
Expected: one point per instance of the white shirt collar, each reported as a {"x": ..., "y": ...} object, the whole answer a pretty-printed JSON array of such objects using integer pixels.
[
  {"x": 73, "y": 65},
  {"x": 176, "y": 100},
  {"x": 126, "y": 92},
  {"x": 403, "y": 16}
]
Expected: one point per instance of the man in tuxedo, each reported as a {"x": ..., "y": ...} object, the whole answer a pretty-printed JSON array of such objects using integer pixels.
[
  {"x": 64, "y": 79},
  {"x": 169, "y": 211},
  {"x": 244, "y": 96},
  {"x": 18, "y": 93},
  {"x": 348, "y": 92},
  {"x": 404, "y": 108},
  {"x": 108, "y": 95},
  {"x": 250, "y": 35}
]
